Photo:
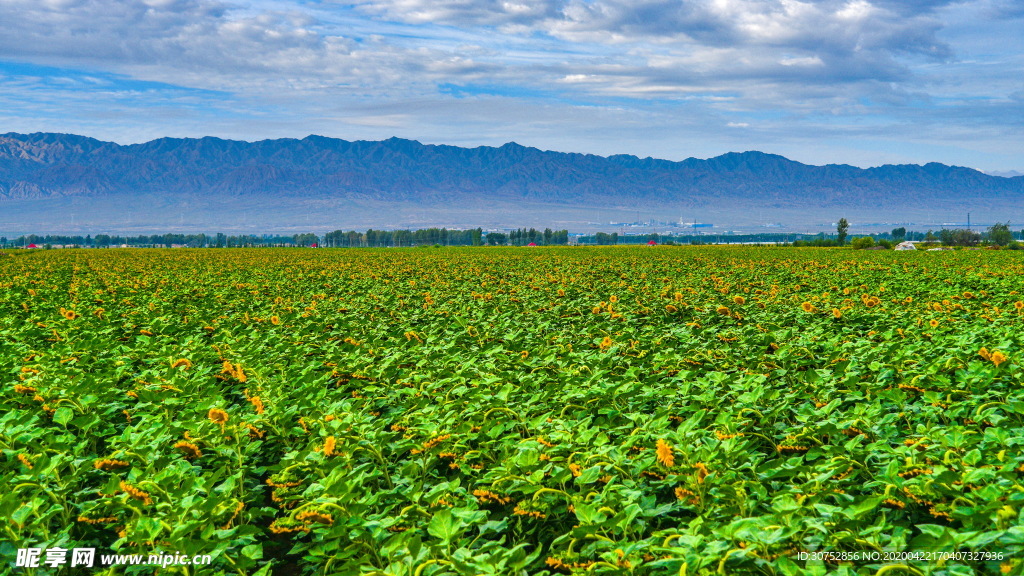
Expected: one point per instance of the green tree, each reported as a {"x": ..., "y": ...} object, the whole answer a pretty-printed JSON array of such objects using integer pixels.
[
  {"x": 964, "y": 237},
  {"x": 959, "y": 237},
  {"x": 899, "y": 234},
  {"x": 863, "y": 242},
  {"x": 999, "y": 233},
  {"x": 842, "y": 228}
]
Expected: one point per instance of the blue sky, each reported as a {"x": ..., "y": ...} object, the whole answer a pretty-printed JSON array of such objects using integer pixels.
[{"x": 864, "y": 82}]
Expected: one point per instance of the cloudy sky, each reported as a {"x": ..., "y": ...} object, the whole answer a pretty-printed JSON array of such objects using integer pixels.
[{"x": 864, "y": 82}]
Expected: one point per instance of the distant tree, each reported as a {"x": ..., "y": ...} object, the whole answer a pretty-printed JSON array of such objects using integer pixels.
[
  {"x": 497, "y": 239},
  {"x": 930, "y": 237},
  {"x": 999, "y": 233},
  {"x": 842, "y": 229},
  {"x": 402, "y": 238},
  {"x": 862, "y": 242},
  {"x": 198, "y": 240},
  {"x": 307, "y": 239},
  {"x": 899, "y": 234},
  {"x": 964, "y": 237},
  {"x": 959, "y": 237}
]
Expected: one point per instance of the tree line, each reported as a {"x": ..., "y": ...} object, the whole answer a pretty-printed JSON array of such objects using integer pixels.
[
  {"x": 444, "y": 237},
  {"x": 336, "y": 239},
  {"x": 160, "y": 240},
  {"x": 998, "y": 234}
]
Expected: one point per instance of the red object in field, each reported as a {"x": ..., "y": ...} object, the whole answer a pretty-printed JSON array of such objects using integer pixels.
[
  {"x": 315, "y": 245},
  {"x": 33, "y": 246},
  {"x": 532, "y": 244},
  {"x": 652, "y": 243}
]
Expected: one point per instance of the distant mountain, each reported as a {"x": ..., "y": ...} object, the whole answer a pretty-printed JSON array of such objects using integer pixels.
[
  {"x": 1006, "y": 173},
  {"x": 64, "y": 182}
]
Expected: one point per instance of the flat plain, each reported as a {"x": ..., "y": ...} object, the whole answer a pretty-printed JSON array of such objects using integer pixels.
[{"x": 620, "y": 410}]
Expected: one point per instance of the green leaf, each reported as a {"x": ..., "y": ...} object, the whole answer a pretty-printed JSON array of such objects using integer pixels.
[
  {"x": 21, "y": 514},
  {"x": 444, "y": 526},
  {"x": 587, "y": 514},
  {"x": 63, "y": 415},
  {"x": 590, "y": 475},
  {"x": 785, "y": 503},
  {"x": 787, "y": 567},
  {"x": 253, "y": 551},
  {"x": 858, "y": 510},
  {"x": 933, "y": 530}
]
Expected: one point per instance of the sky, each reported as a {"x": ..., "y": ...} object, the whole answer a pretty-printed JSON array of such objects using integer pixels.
[{"x": 862, "y": 82}]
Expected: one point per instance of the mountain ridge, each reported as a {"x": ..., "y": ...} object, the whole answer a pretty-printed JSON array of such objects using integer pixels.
[{"x": 408, "y": 175}]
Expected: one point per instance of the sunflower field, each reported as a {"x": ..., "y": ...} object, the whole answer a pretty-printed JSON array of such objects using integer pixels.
[{"x": 515, "y": 411}]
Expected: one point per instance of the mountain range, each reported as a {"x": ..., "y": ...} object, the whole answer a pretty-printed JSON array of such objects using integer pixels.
[{"x": 67, "y": 183}]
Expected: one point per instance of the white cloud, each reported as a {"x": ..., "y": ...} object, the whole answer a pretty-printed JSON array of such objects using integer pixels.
[
  {"x": 662, "y": 43},
  {"x": 463, "y": 12},
  {"x": 802, "y": 61}
]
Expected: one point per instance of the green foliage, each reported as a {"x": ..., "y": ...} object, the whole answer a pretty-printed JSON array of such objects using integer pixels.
[
  {"x": 959, "y": 237},
  {"x": 842, "y": 230},
  {"x": 617, "y": 410},
  {"x": 497, "y": 239},
  {"x": 1000, "y": 234},
  {"x": 821, "y": 242},
  {"x": 862, "y": 242}
]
